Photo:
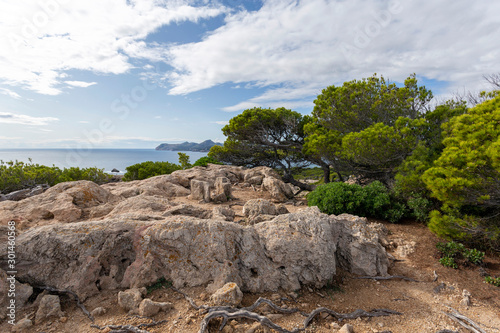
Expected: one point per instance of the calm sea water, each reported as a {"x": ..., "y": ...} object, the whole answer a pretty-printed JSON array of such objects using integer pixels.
[{"x": 107, "y": 159}]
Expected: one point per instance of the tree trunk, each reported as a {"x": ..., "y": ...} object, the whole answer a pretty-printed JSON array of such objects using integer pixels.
[
  {"x": 288, "y": 178},
  {"x": 326, "y": 173}
]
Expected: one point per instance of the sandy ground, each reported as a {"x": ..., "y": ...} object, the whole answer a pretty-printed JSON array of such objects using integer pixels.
[{"x": 423, "y": 304}]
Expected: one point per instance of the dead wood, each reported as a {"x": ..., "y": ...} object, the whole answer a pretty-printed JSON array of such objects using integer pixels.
[
  {"x": 128, "y": 328},
  {"x": 464, "y": 321},
  {"x": 353, "y": 315},
  {"x": 387, "y": 278}
]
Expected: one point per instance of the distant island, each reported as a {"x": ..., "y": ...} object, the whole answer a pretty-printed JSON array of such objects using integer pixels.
[{"x": 189, "y": 146}]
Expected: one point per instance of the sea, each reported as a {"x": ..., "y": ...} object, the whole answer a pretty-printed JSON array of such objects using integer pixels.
[{"x": 107, "y": 159}]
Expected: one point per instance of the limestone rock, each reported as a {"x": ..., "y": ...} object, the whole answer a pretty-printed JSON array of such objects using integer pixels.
[
  {"x": 288, "y": 251},
  {"x": 223, "y": 213},
  {"x": 50, "y": 306},
  {"x": 187, "y": 210},
  {"x": 360, "y": 251},
  {"x": 23, "y": 325},
  {"x": 346, "y": 329},
  {"x": 229, "y": 295},
  {"x": 256, "y": 207},
  {"x": 97, "y": 312},
  {"x": 280, "y": 192},
  {"x": 148, "y": 308},
  {"x": 23, "y": 291},
  {"x": 200, "y": 190},
  {"x": 130, "y": 299},
  {"x": 222, "y": 189}
]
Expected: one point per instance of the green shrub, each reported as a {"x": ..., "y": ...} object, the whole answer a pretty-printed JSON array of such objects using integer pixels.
[
  {"x": 19, "y": 175},
  {"x": 160, "y": 283},
  {"x": 205, "y": 160},
  {"x": 451, "y": 252},
  {"x": 420, "y": 207},
  {"x": 492, "y": 280},
  {"x": 149, "y": 169},
  {"x": 474, "y": 256},
  {"x": 372, "y": 200},
  {"x": 448, "y": 262}
]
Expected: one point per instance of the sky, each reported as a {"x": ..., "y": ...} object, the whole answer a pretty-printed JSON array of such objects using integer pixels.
[{"x": 137, "y": 73}]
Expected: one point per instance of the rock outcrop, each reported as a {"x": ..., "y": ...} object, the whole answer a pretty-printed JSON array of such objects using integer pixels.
[{"x": 290, "y": 250}]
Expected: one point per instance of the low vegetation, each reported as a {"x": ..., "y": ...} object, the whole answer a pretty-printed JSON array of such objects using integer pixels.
[
  {"x": 455, "y": 254},
  {"x": 16, "y": 175}
]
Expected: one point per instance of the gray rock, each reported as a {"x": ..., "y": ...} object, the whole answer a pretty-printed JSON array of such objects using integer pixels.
[
  {"x": 130, "y": 299},
  {"x": 200, "y": 190},
  {"x": 23, "y": 325},
  {"x": 149, "y": 308},
  {"x": 346, "y": 329},
  {"x": 280, "y": 192},
  {"x": 223, "y": 213},
  {"x": 223, "y": 190},
  {"x": 256, "y": 207},
  {"x": 50, "y": 306},
  {"x": 229, "y": 295},
  {"x": 99, "y": 311},
  {"x": 291, "y": 250}
]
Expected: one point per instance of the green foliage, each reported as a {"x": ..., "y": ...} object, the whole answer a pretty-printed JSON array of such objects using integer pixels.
[
  {"x": 492, "y": 280},
  {"x": 367, "y": 127},
  {"x": 160, "y": 283},
  {"x": 205, "y": 160},
  {"x": 184, "y": 161},
  {"x": 448, "y": 262},
  {"x": 149, "y": 169},
  {"x": 19, "y": 175},
  {"x": 466, "y": 177},
  {"x": 451, "y": 252},
  {"x": 474, "y": 256},
  {"x": 420, "y": 207},
  {"x": 372, "y": 200}
]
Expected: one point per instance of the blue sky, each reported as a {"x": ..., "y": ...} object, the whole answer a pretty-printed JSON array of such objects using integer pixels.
[{"x": 134, "y": 74}]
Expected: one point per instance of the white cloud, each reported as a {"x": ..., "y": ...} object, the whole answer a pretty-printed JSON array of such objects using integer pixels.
[
  {"x": 10, "y": 93},
  {"x": 308, "y": 45},
  {"x": 41, "y": 40},
  {"x": 80, "y": 84},
  {"x": 84, "y": 122},
  {"x": 12, "y": 118},
  {"x": 222, "y": 122}
]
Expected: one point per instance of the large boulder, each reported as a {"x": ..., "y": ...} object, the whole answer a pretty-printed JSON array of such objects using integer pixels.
[
  {"x": 290, "y": 250},
  {"x": 200, "y": 190},
  {"x": 280, "y": 192}
]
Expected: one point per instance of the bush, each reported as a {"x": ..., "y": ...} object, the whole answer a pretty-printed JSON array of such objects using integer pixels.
[
  {"x": 492, "y": 280},
  {"x": 19, "y": 175},
  {"x": 204, "y": 161},
  {"x": 451, "y": 252},
  {"x": 149, "y": 169},
  {"x": 372, "y": 200}
]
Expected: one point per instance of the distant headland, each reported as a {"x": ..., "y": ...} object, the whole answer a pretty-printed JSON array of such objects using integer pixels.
[{"x": 189, "y": 146}]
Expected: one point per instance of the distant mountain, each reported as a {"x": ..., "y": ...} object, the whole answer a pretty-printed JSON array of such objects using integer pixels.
[{"x": 188, "y": 146}]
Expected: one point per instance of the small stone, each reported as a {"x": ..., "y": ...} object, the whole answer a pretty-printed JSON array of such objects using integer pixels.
[
  {"x": 149, "y": 308},
  {"x": 334, "y": 326},
  {"x": 63, "y": 319},
  {"x": 50, "y": 306},
  {"x": 229, "y": 295},
  {"x": 203, "y": 296},
  {"x": 293, "y": 295},
  {"x": 130, "y": 299},
  {"x": 22, "y": 325},
  {"x": 346, "y": 329},
  {"x": 228, "y": 329},
  {"x": 97, "y": 312}
]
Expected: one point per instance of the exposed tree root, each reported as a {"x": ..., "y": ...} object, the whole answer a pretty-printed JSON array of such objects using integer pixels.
[
  {"x": 129, "y": 328},
  {"x": 77, "y": 299},
  {"x": 353, "y": 315},
  {"x": 391, "y": 277},
  {"x": 271, "y": 304},
  {"x": 225, "y": 315},
  {"x": 464, "y": 321}
]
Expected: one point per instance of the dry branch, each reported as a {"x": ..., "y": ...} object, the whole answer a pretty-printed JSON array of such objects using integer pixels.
[
  {"x": 353, "y": 315},
  {"x": 271, "y": 304},
  {"x": 225, "y": 315},
  {"x": 464, "y": 321},
  {"x": 387, "y": 278},
  {"x": 128, "y": 328}
]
